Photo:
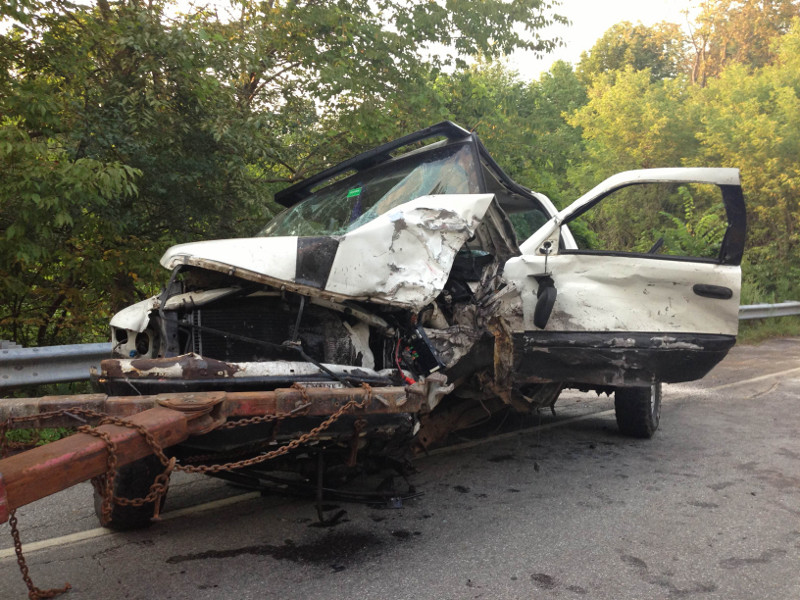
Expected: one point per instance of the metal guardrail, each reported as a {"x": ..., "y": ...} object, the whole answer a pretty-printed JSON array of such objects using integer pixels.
[
  {"x": 20, "y": 367},
  {"x": 766, "y": 311}
]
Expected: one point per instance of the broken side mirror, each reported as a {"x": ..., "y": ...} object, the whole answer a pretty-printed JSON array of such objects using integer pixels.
[
  {"x": 546, "y": 299},
  {"x": 546, "y": 294}
]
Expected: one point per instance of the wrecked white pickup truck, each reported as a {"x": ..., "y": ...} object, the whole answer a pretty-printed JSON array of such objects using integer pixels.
[{"x": 430, "y": 268}]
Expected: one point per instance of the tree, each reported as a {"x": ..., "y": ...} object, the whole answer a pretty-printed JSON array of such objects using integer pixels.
[
  {"x": 750, "y": 121},
  {"x": 50, "y": 221},
  {"x": 558, "y": 144},
  {"x": 633, "y": 122},
  {"x": 127, "y": 129},
  {"x": 739, "y": 31},
  {"x": 661, "y": 48}
]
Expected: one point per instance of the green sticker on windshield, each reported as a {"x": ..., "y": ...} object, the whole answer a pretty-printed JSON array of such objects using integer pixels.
[{"x": 354, "y": 192}]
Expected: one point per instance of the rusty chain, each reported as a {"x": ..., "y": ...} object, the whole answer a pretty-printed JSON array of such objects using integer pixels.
[
  {"x": 104, "y": 484},
  {"x": 286, "y": 448},
  {"x": 34, "y": 593}
]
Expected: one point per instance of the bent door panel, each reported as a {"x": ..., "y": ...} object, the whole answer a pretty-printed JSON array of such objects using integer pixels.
[
  {"x": 636, "y": 293},
  {"x": 623, "y": 316}
]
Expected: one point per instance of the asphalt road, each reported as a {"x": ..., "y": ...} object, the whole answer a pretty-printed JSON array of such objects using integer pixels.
[{"x": 709, "y": 508}]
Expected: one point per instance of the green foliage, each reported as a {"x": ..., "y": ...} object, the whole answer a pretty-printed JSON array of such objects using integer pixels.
[
  {"x": 632, "y": 122},
  {"x": 37, "y": 437},
  {"x": 698, "y": 233},
  {"x": 126, "y": 130},
  {"x": 52, "y": 204},
  {"x": 688, "y": 218},
  {"x": 758, "y": 330},
  {"x": 522, "y": 125},
  {"x": 662, "y": 49}
]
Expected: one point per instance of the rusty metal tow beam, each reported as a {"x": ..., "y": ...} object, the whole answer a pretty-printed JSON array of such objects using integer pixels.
[{"x": 169, "y": 419}]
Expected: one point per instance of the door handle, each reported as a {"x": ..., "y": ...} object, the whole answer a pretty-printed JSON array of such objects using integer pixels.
[{"x": 718, "y": 292}]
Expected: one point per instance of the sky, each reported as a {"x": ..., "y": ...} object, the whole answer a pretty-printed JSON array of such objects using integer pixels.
[{"x": 590, "y": 20}]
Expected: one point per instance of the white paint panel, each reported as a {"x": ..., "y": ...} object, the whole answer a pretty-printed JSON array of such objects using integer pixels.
[
  {"x": 405, "y": 255},
  {"x": 136, "y": 316},
  {"x": 280, "y": 368},
  {"x": 272, "y": 256},
  {"x": 629, "y": 294},
  {"x": 715, "y": 176}
]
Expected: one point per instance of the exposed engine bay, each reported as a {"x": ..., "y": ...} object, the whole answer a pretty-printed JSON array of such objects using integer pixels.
[{"x": 216, "y": 331}]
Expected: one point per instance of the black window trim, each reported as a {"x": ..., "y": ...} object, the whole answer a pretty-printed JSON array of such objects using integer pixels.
[
  {"x": 732, "y": 248},
  {"x": 383, "y": 153}
]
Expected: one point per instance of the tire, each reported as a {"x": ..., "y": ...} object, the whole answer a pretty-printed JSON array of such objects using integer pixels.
[
  {"x": 638, "y": 410},
  {"x": 132, "y": 481}
]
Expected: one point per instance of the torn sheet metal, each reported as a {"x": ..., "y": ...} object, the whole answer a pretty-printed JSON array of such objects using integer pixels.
[
  {"x": 405, "y": 255},
  {"x": 453, "y": 343},
  {"x": 136, "y": 316},
  {"x": 401, "y": 257}
]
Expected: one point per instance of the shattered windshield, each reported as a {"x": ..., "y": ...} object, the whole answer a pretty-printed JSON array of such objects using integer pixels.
[{"x": 345, "y": 205}]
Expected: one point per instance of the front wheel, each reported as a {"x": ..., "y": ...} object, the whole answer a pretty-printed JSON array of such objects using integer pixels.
[
  {"x": 132, "y": 481},
  {"x": 638, "y": 410}
]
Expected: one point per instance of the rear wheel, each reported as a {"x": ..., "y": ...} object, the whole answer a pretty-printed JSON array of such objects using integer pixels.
[
  {"x": 132, "y": 481},
  {"x": 638, "y": 410}
]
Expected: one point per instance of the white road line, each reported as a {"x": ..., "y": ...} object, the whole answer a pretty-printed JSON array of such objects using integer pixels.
[
  {"x": 753, "y": 379},
  {"x": 190, "y": 510},
  {"x": 99, "y": 532}
]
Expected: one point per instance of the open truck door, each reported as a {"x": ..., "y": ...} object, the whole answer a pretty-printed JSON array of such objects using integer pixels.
[{"x": 659, "y": 310}]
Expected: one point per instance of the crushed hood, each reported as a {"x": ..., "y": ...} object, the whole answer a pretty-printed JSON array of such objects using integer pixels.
[{"x": 402, "y": 257}]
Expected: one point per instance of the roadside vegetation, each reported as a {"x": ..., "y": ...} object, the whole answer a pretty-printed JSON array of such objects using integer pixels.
[
  {"x": 128, "y": 126},
  {"x": 759, "y": 330}
]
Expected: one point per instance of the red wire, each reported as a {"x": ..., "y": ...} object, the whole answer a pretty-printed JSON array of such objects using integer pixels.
[{"x": 407, "y": 379}]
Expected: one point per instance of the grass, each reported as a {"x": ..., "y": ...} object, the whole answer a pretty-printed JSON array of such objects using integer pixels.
[
  {"x": 40, "y": 437},
  {"x": 46, "y": 434},
  {"x": 756, "y": 331}
]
